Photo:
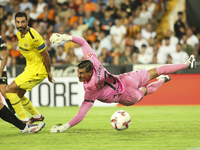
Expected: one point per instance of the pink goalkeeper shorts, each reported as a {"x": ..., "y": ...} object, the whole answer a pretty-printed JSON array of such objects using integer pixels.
[{"x": 132, "y": 81}]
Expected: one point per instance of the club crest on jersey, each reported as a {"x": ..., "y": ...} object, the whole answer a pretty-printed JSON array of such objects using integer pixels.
[
  {"x": 89, "y": 55},
  {"x": 25, "y": 45}
]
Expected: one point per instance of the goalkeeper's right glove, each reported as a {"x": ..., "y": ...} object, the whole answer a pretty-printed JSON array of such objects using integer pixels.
[
  {"x": 57, "y": 129},
  {"x": 58, "y": 38}
]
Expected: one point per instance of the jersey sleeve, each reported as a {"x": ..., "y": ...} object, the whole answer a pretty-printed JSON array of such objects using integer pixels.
[
  {"x": 85, "y": 107},
  {"x": 2, "y": 44},
  {"x": 87, "y": 50},
  {"x": 37, "y": 41},
  {"x": 91, "y": 95}
]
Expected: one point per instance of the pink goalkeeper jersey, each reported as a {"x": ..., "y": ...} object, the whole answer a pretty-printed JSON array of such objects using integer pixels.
[{"x": 103, "y": 86}]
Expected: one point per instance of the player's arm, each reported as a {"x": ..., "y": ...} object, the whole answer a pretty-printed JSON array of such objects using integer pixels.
[
  {"x": 85, "y": 107},
  {"x": 4, "y": 52},
  {"x": 47, "y": 63},
  {"x": 87, "y": 50},
  {"x": 90, "y": 97}
]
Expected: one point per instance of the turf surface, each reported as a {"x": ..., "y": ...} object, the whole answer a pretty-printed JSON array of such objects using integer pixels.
[{"x": 152, "y": 128}]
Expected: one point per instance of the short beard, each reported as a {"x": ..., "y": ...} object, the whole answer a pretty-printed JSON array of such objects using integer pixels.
[{"x": 23, "y": 29}]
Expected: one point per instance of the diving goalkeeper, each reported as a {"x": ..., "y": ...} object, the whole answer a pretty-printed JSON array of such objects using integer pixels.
[{"x": 127, "y": 89}]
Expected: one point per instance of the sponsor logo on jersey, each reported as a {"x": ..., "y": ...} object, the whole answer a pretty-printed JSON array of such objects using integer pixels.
[
  {"x": 25, "y": 45},
  {"x": 23, "y": 49},
  {"x": 89, "y": 55},
  {"x": 36, "y": 41}
]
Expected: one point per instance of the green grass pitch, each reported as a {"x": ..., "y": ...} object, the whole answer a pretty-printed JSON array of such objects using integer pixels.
[{"x": 152, "y": 128}]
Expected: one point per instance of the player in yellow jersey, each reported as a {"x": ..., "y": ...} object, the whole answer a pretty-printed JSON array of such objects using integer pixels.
[{"x": 38, "y": 65}]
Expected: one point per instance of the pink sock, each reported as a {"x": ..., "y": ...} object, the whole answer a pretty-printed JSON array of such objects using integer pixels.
[
  {"x": 170, "y": 68},
  {"x": 154, "y": 86}
]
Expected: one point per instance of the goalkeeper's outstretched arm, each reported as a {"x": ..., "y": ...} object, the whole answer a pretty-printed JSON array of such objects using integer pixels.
[
  {"x": 85, "y": 107},
  {"x": 59, "y": 38}
]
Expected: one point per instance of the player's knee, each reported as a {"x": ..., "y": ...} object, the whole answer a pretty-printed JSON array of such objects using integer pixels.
[
  {"x": 20, "y": 95},
  {"x": 153, "y": 73},
  {"x": 1, "y": 105},
  {"x": 11, "y": 89},
  {"x": 7, "y": 89},
  {"x": 144, "y": 90}
]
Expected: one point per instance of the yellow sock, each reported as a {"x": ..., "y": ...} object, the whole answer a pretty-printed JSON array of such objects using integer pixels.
[
  {"x": 29, "y": 106},
  {"x": 17, "y": 105}
]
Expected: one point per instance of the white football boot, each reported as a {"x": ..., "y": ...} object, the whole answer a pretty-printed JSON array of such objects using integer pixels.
[
  {"x": 191, "y": 64},
  {"x": 33, "y": 128},
  {"x": 165, "y": 78}
]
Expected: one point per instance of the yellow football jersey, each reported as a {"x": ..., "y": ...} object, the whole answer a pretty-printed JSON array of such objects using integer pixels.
[{"x": 30, "y": 46}]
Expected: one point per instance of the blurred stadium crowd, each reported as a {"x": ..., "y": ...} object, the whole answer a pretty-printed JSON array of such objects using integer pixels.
[{"x": 120, "y": 32}]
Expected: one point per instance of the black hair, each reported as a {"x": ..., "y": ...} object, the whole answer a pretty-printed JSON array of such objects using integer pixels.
[
  {"x": 27, "y": 9},
  {"x": 89, "y": 42},
  {"x": 107, "y": 9},
  {"x": 102, "y": 31},
  {"x": 180, "y": 13},
  {"x": 21, "y": 14},
  {"x": 143, "y": 45},
  {"x": 117, "y": 18},
  {"x": 183, "y": 34},
  {"x": 87, "y": 64},
  {"x": 90, "y": 29},
  {"x": 167, "y": 38}
]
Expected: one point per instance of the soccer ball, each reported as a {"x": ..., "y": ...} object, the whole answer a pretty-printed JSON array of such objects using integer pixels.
[{"x": 120, "y": 120}]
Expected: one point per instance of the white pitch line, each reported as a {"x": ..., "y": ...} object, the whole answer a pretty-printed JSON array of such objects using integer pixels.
[{"x": 194, "y": 148}]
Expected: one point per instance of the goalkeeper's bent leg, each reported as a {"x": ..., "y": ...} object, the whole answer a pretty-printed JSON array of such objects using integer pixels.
[
  {"x": 170, "y": 68},
  {"x": 152, "y": 87}
]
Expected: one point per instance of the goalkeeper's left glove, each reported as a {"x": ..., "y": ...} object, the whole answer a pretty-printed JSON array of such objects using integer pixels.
[{"x": 58, "y": 38}]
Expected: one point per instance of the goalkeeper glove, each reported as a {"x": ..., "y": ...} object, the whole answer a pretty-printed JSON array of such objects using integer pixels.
[
  {"x": 58, "y": 38},
  {"x": 57, "y": 129}
]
